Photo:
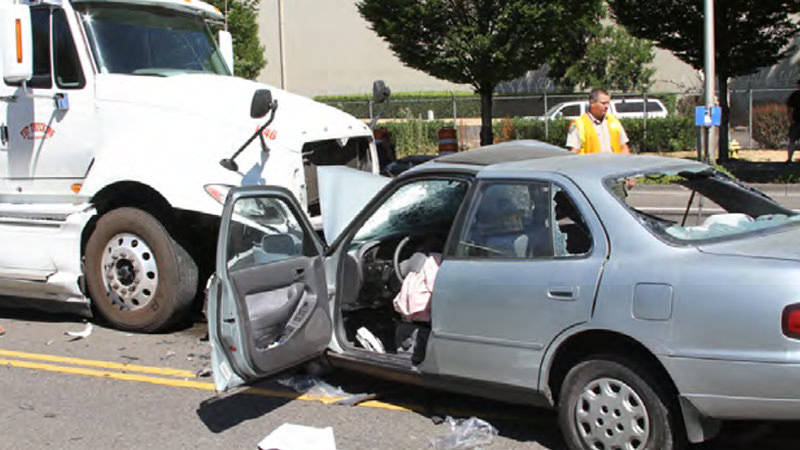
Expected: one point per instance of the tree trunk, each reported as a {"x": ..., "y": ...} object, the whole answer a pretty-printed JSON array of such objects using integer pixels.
[
  {"x": 487, "y": 137},
  {"x": 722, "y": 153}
]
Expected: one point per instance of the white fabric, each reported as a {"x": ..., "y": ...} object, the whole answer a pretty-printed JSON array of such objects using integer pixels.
[{"x": 413, "y": 302}]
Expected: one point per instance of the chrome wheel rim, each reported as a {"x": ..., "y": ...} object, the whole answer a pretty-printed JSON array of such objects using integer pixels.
[
  {"x": 130, "y": 272},
  {"x": 610, "y": 415}
]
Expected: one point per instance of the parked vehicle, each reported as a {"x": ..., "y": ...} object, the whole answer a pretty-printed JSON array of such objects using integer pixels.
[
  {"x": 552, "y": 288},
  {"x": 115, "y": 117},
  {"x": 620, "y": 107}
]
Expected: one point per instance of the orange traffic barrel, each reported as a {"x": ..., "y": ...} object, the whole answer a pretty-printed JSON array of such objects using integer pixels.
[{"x": 447, "y": 140}]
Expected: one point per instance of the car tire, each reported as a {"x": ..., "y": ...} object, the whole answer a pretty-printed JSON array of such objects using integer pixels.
[
  {"x": 138, "y": 277},
  {"x": 605, "y": 403}
]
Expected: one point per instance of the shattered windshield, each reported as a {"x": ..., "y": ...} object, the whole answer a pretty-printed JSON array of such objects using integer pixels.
[
  {"x": 698, "y": 205},
  {"x": 423, "y": 206},
  {"x": 147, "y": 40}
]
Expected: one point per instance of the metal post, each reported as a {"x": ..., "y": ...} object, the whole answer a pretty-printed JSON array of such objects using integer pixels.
[
  {"x": 455, "y": 112},
  {"x": 644, "y": 122},
  {"x": 750, "y": 117},
  {"x": 369, "y": 105},
  {"x": 708, "y": 33},
  {"x": 281, "y": 50},
  {"x": 546, "y": 119}
]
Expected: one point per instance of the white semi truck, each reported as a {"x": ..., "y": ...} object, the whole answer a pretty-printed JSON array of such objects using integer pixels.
[{"x": 118, "y": 121}]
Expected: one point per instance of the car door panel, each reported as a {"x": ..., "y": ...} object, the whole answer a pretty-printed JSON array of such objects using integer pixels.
[
  {"x": 267, "y": 310},
  {"x": 490, "y": 312}
]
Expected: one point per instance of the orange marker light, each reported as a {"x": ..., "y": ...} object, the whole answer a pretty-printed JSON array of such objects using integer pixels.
[
  {"x": 76, "y": 187},
  {"x": 19, "y": 40}
]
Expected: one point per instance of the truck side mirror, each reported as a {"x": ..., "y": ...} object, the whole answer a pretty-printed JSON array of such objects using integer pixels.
[
  {"x": 226, "y": 48},
  {"x": 380, "y": 92},
  {"x": 261, "y": 103},
  {"x": 16, "y": 42}
]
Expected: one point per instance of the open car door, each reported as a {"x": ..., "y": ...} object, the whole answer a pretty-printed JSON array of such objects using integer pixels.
[{"x": 268, "y": 303}]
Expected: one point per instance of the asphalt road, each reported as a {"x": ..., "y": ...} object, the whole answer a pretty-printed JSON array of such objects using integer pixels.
[{"x": 121, "y": 390}]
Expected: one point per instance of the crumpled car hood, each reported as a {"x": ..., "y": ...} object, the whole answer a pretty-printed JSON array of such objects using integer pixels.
[{"x": 343, "y": 193}]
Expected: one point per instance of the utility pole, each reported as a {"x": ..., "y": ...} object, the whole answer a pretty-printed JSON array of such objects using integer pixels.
[{"x": 708, "y": 32}]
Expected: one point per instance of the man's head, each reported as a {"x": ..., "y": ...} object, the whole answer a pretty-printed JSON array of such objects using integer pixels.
[{"x": 599, "y": 101}]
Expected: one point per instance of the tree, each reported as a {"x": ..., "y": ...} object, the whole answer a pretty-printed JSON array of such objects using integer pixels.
[
  {"x": 248, "y": 53},
  {"x": 484, "y": 42},
  {"x": 614, "y": 60},
  {"x": 749, "y": 35}
]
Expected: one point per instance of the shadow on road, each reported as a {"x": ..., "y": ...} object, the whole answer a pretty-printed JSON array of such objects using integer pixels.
[
  {"x": 35, "y": 310},
  {"x": 222, "y": 413}
]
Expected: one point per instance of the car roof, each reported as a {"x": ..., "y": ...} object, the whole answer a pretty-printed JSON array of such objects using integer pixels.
[
  {"x": 515, "y": 157},
  {"x": 510, "y": 151}
]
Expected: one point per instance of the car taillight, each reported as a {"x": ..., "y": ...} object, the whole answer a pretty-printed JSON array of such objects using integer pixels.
[{"x": 791, "y": 321}]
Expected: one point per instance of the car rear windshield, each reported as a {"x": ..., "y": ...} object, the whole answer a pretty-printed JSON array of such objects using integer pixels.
[{"x": 698, "y": 205}]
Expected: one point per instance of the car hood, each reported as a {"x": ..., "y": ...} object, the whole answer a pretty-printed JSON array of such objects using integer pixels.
[
  {"x": 339, "y": 202},
  {"x": 774, "y": 244}
]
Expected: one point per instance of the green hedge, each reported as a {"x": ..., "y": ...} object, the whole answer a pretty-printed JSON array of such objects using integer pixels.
[
  {"x": 666, "y": 135},
  {"x": 414, "y": 136}
]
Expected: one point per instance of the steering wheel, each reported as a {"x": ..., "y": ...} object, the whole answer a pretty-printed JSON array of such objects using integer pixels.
[{"x": 396, "y": 257}]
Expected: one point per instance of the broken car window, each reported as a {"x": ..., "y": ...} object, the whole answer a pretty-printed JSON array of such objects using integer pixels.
[
  {"x": 697, "y": 205},
  {"x": 264, "y": 230},
  {"x": 426, "y": 206}
]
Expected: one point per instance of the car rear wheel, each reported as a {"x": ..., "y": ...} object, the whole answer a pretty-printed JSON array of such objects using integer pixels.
[
  {"x": 139, "y": 278},
  {"x": 606, "y": 404}
]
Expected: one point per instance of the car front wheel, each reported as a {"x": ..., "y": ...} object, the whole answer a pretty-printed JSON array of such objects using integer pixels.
[
  {"x": 139, "y": 278},
  {"x": 606, "y": 404}
]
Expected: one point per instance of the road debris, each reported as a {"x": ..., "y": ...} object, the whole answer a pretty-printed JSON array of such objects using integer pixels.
[
  {"x": 312, "y": 386},
  {"x": 2, "y": 331},
  {"x": 299, "y": 437},
  {"x": 465, "y": 434},
  {"x": 86, "y": 332},
  {"x": 355, "y": 399},
  {"x": 204, "y": 372}
]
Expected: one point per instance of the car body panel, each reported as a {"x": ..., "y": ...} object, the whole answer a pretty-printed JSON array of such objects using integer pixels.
[{"x": 707, "y": 313}]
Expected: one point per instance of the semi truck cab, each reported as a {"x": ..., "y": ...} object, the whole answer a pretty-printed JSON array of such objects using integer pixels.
[{"x": 114, "y": 116}]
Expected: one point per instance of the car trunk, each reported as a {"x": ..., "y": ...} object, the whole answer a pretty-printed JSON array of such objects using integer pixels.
[{"x": 776, "y": 244}]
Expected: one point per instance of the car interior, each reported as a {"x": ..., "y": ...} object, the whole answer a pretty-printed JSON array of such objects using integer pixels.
[{"x": 395, "y": 241}]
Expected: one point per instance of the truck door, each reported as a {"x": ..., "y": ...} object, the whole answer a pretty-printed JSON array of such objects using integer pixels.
[
  {"x": 268, "y": 304},
  {"x": 50, "y": 141}
]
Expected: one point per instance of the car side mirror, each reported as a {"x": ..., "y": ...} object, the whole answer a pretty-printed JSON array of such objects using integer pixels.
[
  {"x": 225, "y": 41},
  {"x": 380, "y": 92},
  {"x": 16, "y": 42},
  {"x": 261, "y": 103}
]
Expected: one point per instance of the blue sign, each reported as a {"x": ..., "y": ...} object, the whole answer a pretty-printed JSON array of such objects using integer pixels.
[{"x": 704, "y": 119}]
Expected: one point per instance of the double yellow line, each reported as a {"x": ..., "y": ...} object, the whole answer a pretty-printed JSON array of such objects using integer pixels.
[
  {"x": 104, "y": 369},
  {"x": 148, "y": 374}
]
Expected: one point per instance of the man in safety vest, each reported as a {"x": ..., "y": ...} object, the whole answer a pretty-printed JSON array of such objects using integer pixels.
[{"x": 597, "y": 131}]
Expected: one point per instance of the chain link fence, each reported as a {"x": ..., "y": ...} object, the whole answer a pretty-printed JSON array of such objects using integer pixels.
[{"x": 459, "y": 108}]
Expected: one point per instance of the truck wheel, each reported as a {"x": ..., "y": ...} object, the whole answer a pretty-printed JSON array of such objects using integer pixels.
[
  {"x": 139, "y": 278},
  {"x": 605, "y": 403}
]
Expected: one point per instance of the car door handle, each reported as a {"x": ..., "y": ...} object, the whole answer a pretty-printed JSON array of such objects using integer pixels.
[{"x": 563, "y": 293}]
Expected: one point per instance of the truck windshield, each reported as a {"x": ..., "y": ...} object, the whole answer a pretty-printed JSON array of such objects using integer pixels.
[{"x": 147, "y": 40}]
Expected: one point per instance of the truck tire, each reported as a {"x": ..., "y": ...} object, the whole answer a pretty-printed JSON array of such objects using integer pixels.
[
  {"x": 605, "y": 403},
  {"x": 138, "y": 277}
]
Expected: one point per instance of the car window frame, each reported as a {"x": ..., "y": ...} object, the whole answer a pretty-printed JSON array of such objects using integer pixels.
[
  {"x": 468, "y": 208},
  {"x": 347, "y": 235}
]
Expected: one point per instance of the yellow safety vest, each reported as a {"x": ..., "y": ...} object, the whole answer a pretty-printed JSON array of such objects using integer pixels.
[{"x": 590, "y": 142}]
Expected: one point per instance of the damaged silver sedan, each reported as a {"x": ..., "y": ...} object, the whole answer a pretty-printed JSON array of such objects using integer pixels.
[{"x": 524, "y": 273}]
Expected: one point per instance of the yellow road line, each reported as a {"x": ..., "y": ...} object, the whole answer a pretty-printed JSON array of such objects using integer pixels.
[
  {"x": 159, "y": 380},
  {"x": 102, "y": 364},
  {"x": 106, "y": 374}
]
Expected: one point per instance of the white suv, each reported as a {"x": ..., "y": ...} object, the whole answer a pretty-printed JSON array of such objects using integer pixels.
[{"x": 623, "y": 107}]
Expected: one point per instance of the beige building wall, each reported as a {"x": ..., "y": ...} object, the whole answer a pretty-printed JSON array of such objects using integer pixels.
[{"x": 330, "y": 49}]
